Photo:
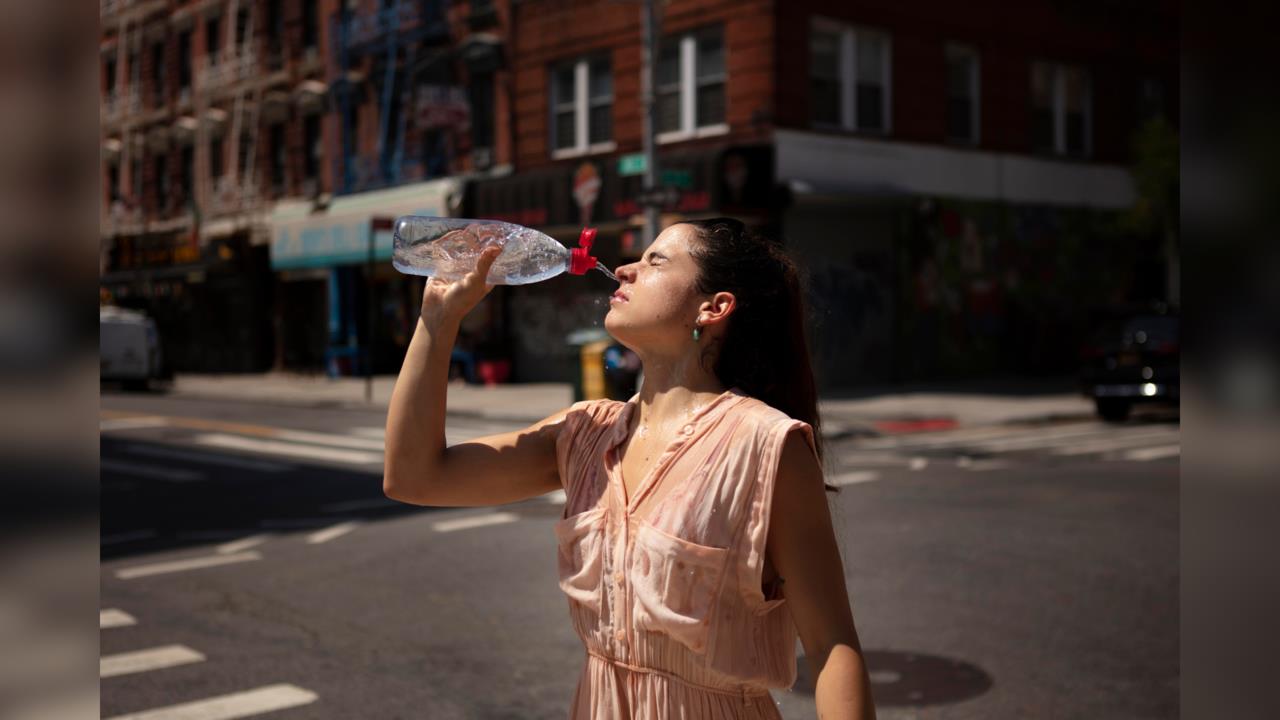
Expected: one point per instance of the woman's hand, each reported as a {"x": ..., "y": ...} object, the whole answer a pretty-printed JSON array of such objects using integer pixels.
[{"x": 445, "y": 302}]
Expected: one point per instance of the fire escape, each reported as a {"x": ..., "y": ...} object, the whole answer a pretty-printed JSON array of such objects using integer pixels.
[{"x": 385, "y": 50}]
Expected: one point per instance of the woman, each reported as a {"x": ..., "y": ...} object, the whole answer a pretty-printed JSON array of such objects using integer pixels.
[{"x": 696, "y": 540}]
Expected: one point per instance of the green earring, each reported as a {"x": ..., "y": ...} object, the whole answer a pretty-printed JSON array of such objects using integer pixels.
[{"x": 697, "y": 333}]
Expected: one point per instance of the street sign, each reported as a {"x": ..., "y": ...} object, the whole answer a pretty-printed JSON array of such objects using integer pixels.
[
  {"x": 658, "y": 197},
  {"x": 682, "y": 179},
  {"x": 633, "y": 164}
]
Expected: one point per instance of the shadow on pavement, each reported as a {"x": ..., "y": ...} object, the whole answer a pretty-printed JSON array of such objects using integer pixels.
[
  {"x": 157, "y": 497},
  {"x": 907, "y": 679}
]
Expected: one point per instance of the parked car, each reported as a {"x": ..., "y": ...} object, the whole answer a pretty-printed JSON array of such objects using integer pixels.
[
  {"x": 1133, "y": 358},
  {"x": 129, "y": 348}
]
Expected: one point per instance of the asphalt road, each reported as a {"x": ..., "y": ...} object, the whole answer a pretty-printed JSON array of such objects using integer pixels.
[{"x": 249, "y": 558}]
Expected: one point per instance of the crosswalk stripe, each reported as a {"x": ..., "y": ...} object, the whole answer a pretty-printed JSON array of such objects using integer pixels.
[
  {"x": 1041, "y": 440},
  {"x": 474, "y": 521},
  {"x": 228, "y": 707},
  {"x": 157, "y": 472},
  {"x": 197, "y": 563},
  {"x": 236, "y": 546},
  {"x": 1117, "y": 443},
  {"x": 207, "y": 458},
  {"x": 131, "y": 423},
  {"x": 157, "y": 658},
  {"x": 326, "y": 439},
  {"x": 276, "y": 447},
  {"x": 852, "y": 478},
  {"x": 1153, "y": 453},
  {"x": 329, "y": 533},
  {"x": 113, "y": 618}
]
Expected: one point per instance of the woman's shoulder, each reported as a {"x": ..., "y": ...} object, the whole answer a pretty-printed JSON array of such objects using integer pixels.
[
  {"x": 760, "y": 415},
  {"x": 595, "y": 412}
]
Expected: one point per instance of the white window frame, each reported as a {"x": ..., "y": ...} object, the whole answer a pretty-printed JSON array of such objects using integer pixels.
[
  {"x": 953, "y": 51},
  {"x": 581, "y": 111},
  {"x": 689, "y": 129},
  {"x": 848, "y": 35},
  {"x": 1058, "y": 74}
]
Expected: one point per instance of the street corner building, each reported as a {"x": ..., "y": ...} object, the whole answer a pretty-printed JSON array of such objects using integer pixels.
[{"x": 957, "y": 182}]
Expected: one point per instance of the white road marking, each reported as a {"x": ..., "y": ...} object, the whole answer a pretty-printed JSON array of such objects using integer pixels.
[
  {"x": 329, "y": 533},
  {"x": 1118, "y": 442},
  {"x": 556, "y": 497},
  {"x": 1154, "y": 453},
  {"x": 197, "y": 563},
  {"x": 131, "y": 423},
  {"x": 236, "y": 546},
  {"x": 157, "y": 658},
  {"x": 328, "y": 440},
  {"x": 209, "y": 458},
  {"x": 158, "y": 472},
  {"x": 113, "y": 618},
  {"x": 852, "y": 478},
  {"x": 125, "y": 537},
  {"x": 1042, "y": 440},
  {"x": 474, "y": 521},
  {"x": 361, "y": 504},
  {"x": 918, "y": 463},
  {"x": 228, "y": 707},
  {"x": 276, "y": 447}
]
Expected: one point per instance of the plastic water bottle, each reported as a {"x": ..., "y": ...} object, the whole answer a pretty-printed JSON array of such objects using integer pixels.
[{"x": 449, "y": 248}]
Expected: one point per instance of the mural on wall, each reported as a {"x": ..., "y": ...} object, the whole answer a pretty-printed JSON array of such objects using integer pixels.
[{"x": 987, "y": 287}]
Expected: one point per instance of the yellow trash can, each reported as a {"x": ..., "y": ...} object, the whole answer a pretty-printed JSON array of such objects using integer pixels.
[{"x": 592, "y": 359}]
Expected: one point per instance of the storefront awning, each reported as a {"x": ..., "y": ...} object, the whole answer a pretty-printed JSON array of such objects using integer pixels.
[{"x": 302, "y": 237}]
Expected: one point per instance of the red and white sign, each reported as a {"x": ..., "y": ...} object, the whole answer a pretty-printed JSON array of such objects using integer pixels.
[{"x": 586, "y": 189}]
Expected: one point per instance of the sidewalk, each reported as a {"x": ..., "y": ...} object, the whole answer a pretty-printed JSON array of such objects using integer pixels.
[{"x": 875, "y": 411}]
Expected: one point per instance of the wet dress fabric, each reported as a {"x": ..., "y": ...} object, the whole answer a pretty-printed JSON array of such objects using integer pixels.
[{"x": 664, "y": 587}]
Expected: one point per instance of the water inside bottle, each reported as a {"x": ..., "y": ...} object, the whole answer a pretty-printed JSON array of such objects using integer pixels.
[{"x": 527, "y": 256}]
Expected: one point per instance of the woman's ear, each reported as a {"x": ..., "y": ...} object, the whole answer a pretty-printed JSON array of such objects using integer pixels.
[{"x": 718, "y": 308}]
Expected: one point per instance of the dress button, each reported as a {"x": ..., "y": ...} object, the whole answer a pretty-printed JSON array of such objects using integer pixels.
[
  {"x": 688, "y": 430},
  {"x": 621, "y": 635},
  {"x": 617, "y": 577}
]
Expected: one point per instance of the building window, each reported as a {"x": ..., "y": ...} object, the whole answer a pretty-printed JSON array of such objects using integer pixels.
[
  {"x": 135, "y": 182},
  {"x": 315, "y": 145},
  {"x": 482, "y": 110},
  {"x": 962, "y": 95},
  {"x": 113, "y": 184},
  {"x": 188, "y": 175},
  {"x": 158, "y": 73},
  {"x": 581, "y": 107},
  {"x": 110, "y": 71},
  {"x": 310, "y": 26},
  {"x": 184, "y": 62},
  {"x": 242, "y": 29},
  {"x": 689, "y": 86},
  {"x": 217, "y": 159},
  {"x": 161, "y": 169},
  {"x": 1061, "y": 110},
  {"x": 278, "y": 159},
  {"x": 849, "y": 77},
  {"x": 213, "y": 38}
]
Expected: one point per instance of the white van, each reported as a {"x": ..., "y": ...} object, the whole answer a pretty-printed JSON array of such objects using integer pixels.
[{"x": 129, "y": 347}]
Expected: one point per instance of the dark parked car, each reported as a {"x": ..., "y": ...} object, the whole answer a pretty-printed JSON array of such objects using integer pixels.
[{"x": 1133, "y": 358}]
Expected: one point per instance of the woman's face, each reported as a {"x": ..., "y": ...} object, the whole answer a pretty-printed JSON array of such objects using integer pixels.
[{"x": 657, "y": 300}]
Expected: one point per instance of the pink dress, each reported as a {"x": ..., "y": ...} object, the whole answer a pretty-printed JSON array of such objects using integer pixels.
[{"x": 665, "y": 587}]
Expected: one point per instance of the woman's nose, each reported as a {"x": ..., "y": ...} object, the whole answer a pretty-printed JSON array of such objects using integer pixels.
[{"x": 625, "y": 272}]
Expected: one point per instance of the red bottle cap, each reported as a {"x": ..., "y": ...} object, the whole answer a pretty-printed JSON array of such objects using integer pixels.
[{"x": 580, "y": 259}]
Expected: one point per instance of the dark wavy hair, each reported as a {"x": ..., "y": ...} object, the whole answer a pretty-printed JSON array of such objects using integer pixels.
[{"x": 765, "y": 350}]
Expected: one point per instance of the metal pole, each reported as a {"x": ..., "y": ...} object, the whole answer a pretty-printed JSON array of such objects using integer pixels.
[
  {"x": 648, "y": 57},
  {"x": 372, "y": 313}
]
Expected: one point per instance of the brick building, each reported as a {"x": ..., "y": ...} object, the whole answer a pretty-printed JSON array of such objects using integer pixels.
[{"x": 951, "y": 177}]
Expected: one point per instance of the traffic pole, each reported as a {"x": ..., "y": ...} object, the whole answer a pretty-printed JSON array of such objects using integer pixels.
[{"x": 648, "y": 57}]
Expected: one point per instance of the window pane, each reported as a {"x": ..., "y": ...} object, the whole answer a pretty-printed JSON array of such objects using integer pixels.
[
  {"x": 668, "y": 111},
  {"x": 824, "y": 55},
  {"x": 565, "y": 130},
  {"x": 1075, "y": 133},
  {"x": 871, "y": 58},
  {"x": 824, "y": 100},
  {"x": 601, "y": 80},
  {"x": 600, "y": 124},
  {"x": 1042, "y": 85},
  {"x": 562, "y": 87},
  {"x": 710, "y": 55},
  {"x": 1077, "y": 88},
  {"x": 668, "y": 71},
  {"x": 870, "y": 107},
  {"x": 959, "y": 75},
  {"x": 959, "y": 119},
  {"x": 710, "y": 106}
]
